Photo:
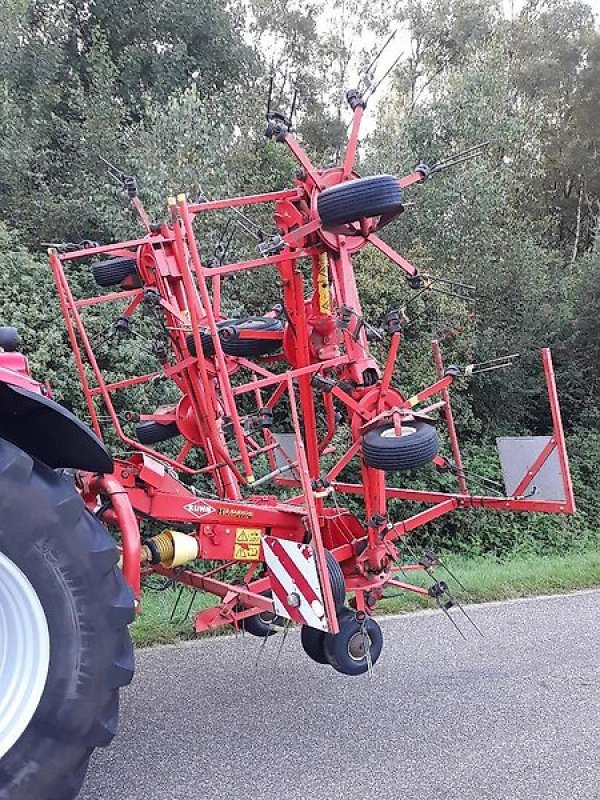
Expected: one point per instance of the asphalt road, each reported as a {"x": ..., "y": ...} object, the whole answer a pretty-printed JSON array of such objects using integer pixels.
[{"x": 513, "y": 716}]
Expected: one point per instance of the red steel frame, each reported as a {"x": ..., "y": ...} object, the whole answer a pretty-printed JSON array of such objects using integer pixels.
[{"x": 188, "y": 295}]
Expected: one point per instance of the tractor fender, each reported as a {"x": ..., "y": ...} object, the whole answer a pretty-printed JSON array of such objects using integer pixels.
[{"x": 49, "y": 432}]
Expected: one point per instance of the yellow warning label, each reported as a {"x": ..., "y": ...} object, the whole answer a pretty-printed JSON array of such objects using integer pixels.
[
  {"x": 247, "y": 535},
  {"x": 247, "y": 544},
  {"x": 246, "y": 552},
  {"x": 324, "y": 294}
]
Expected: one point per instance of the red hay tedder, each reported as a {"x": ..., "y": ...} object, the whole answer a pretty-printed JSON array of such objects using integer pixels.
[{"x": 307, "y": 558}]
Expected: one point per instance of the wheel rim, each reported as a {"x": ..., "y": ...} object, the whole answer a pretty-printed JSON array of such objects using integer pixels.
[
  {"x": 390, "y": 433},
  {"x": 358, "y": 644},
  {"x": 24, "y": 653}
]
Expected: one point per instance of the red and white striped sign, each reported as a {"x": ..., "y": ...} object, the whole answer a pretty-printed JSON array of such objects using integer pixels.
[{"x": 295, "y": 582}]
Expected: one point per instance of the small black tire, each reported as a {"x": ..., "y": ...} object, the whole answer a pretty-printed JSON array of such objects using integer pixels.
[
  {"x": 312, "y": 638},
  {"x": 416, "y": 447},
  {"x": 313, "y": 643},
  {"x": 206, "y": 342},
  {"x": 70, "y": 563},
  {"x": 250, "y": 347},
  {"x": 233, "y": 345},
  {"x": 346, "y": 651},
  {"x": 337, "y": 580},
  {"x": 365, "y": 197},
  {"x": 114, "y": 271},
  {"x": 151, "y": 432},
  {"x": 263, "y": 624}
]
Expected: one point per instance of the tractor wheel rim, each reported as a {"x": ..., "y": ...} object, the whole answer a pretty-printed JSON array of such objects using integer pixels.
[
  {"x": 358, "y": 644},
  {"x": 390, "y": 433},
  {"x": 24, "y": 653}
]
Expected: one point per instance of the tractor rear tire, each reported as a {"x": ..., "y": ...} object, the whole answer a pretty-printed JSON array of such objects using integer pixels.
[
  {"x": 63, "y": 629},
  {"x": 415, "y": 448},
  {"x": 353, "y": 200},
  {"x": 114, "y": 271},
  {"x": 152, "y": 432}
]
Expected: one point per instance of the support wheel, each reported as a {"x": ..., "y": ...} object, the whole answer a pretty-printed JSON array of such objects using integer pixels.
[
  {"x": 336, "y": 578},
  {"x": 366, "y": 197},
  {"x": 242, "y": 337},
  {"x": 347, "y": 650},
  {"x": 114, "y": 271},
  {"x": 152, "y": 432},
  {"x": 263, "y": 624},
  {"x": 313, "y": 643},
  {"x": 208, "y": 348},
  {"x": 64, "y": 645},
  {"x": 312, "y": 639},
  {"x": 416, "y": 446}
]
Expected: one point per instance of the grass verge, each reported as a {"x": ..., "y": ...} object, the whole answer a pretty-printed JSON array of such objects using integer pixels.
[{"x": 484, "y": 579}]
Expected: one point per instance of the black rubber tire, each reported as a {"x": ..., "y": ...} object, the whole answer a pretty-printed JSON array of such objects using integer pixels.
[
  {"x": 263, "y": 624},
  {"x": 338, "y": 582},
  {"x": 410, "y": 451},
  {"x": 151, "y": 432},
  {"x": 312, "y": 638},
  {"x": 71, "y": 562},
  {"x": 113, "y": 271},
  {"x": 337, "y": 647},
  {"x": 313, "y": 643},
  {"x": 233, "y": 345},
  {"x": 365, "y": 197},
  {"x": 206, "y": 341}
]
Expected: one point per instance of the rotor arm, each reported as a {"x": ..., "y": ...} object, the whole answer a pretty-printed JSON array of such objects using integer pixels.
[{"x": 424, "y": 171}]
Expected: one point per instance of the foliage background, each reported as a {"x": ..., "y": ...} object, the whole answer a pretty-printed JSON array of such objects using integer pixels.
[{"x": 175, "y": 93}]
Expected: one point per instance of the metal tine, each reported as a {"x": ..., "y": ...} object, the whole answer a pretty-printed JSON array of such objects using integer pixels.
[
  {"x": 468, "y": 151},
  {"x": 452, "y": 575},
  {"x": 472, "y": 621},
  {"x": 452, "y": 282},
  {"x": 189, "y": 608},
  {"x": 447, "y": 613},
  {"x": 372, "y": 89},
  {"x": 176, "y": 603},
  {"x": 463, "y": 297},
  {"x": 269, "y": 96},
  {"x": 286, "y": 629},
  {"x": 496, "y": 360},
  {"x": 115, "y": 173},
  {"x": 368, "y": 71},
  {"x": 490, "y": 369},
  {"x": 293, "y": 107},
  {"x": 260, "y": 653},
  {"x": 459, "y": 158},
  {"x": 495, "y": 363}
]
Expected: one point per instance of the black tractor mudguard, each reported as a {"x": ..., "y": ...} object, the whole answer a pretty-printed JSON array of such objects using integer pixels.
[{"x": 47, "y": 431}]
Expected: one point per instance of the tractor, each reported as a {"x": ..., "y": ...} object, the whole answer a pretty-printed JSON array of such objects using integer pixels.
[{"x": 233, "y": 485}]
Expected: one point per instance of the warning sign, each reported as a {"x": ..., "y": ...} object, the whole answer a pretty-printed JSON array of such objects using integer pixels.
[
  {"x": 323, "y": 280},
  {"x": 247, "y": 544},
  {"x": 247, "y": 535}
]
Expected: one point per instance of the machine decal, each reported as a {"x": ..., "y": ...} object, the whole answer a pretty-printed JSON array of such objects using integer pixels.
[{"x": 295, "y": 582}]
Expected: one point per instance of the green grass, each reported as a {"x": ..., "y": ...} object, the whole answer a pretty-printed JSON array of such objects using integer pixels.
[{"x": 485, "y": 579}]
